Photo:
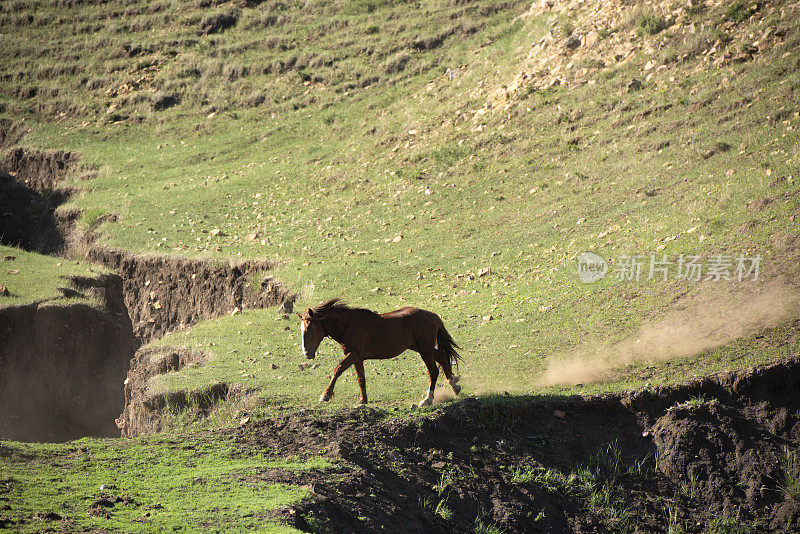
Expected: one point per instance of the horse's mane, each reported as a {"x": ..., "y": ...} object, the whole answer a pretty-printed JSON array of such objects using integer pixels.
[{"x": 337, "y": 305}]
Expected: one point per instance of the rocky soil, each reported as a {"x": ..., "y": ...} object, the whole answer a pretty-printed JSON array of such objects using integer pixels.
[{"x": 711, "y": 453}]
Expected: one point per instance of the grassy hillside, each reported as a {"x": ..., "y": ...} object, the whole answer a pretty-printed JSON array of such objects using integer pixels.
[
  {"x": 380, "y": 167},
  {"x": 458, "y": 156},
  {"x": 393, "y": 154}
]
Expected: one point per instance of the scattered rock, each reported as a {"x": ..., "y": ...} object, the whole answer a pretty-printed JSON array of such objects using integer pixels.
[
  {"x": 634, "y": 85},
  {"x": 273, "y": 366},
  {"x": 572, "y": 43},
  {"x": 4, "y": 292}
]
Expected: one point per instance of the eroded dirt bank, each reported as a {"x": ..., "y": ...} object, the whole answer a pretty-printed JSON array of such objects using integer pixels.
[
  {"x": 669, "y": 457},
  {"x": 62, "y": 366},
  {"x": 144, "y": 409},
  {"x": 30, "y": 195},
  {"x": 163, "y": 293}
]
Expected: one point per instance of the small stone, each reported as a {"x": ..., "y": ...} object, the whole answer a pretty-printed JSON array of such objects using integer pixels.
[
  {"x": 235, "y": 310},
  {"x": 483, "y": 271},
  {"x": 559, "y": 413},
  {"x": 4, "y": 292},
  {"x": 572, "y": 43},
  {"x": 273, "y": 366},
  {"x": 216, "y": 231},
  {"x": 157, "y": 305},
  {"x": 397, "y": 238},
  {"x": 634, "y": 85},
  {"x": 243, "y": 421},
  {"x": 487, "y": 318},
  {"x": 590, "y": 39}
]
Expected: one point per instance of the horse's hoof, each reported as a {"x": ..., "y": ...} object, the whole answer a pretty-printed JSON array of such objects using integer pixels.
[
  {"x": 425, "y": 402},
  {"x": 456, "y": 389},
  {"x": 325, "y": 397}
]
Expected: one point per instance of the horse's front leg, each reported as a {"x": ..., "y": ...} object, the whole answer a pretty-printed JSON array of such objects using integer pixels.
[
  {"x": 346, "y": 362},
  {"x": 433, "y": 373},
  {"x": 362, "y": 379}
]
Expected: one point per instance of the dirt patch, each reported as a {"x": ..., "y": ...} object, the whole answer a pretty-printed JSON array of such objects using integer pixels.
[
  {"x": 163, "y": 293},
  {"x": 685, "y": 456},
  {"x": 28, "y": 218},
  {"x": 11, "y": 133},
  {"x": 144, "y": 409},
  {"x": 40, "y": 170},
  {"x": 62, "y": 366}
]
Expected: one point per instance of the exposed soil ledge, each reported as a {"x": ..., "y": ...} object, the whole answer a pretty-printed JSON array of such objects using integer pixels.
[
  {"x": 144, "y": 409},
  {"x": 29, "y": 217},
  {"x": 62, "y": 365},
  {"x": 155, "y": 294},
  {"x": 708, "y": 450},
  {"x": 163, "y": 293},
  {"x": 40, "y": 170}
]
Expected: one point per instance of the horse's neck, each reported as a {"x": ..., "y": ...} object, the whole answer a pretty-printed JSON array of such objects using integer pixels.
[{"x": 335, "y": 325}]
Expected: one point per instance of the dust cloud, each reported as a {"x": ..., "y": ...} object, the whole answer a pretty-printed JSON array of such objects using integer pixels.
[{"x": 714, "y": 321}]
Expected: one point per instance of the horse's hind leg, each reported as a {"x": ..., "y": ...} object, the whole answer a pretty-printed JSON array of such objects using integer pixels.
[
  {"x": 362, "y": 380},
  {"x": 447, "y": 367},
  {"x": 433, "y": 373}
]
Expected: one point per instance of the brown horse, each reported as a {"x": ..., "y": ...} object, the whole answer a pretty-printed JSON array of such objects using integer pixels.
[{"x": 366, "y": 335}]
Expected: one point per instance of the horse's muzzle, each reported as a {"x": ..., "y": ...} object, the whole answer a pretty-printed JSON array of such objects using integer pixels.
[{"x": 309, "y": 355}]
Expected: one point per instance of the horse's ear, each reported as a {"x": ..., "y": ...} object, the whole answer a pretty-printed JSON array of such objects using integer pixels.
[{"x": 310, "y": 312}]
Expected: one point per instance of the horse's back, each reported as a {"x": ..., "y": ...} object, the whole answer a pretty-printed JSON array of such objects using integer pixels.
[
  {"x": 408, "y": 311},
  {"x": 401, "y": 329}
]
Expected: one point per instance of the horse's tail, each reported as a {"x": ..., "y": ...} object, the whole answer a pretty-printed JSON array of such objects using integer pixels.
[{"x": 447, "y": 346}]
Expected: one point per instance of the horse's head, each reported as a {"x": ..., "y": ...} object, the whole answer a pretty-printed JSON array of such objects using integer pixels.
[{"x": 311, "y": 333}]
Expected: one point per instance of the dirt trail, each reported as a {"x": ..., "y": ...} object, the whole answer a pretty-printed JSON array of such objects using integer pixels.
[{"x": 706, "y": 450}]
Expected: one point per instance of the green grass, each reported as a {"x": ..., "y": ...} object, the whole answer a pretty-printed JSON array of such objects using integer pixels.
[
  {"x": 329, "y": 129},
  {"x": 30, "y": 276},
  {"x": 187, "y": 483},
  {"x": 791, "y": 474},
  {"x": 329, "y": 182}
]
